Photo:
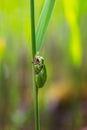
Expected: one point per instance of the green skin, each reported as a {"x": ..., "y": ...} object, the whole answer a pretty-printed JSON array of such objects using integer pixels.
[{"x": 40, "y": 71}]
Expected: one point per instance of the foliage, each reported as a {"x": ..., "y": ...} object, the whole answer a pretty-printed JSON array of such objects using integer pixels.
[{"x": 63, "y": 46}]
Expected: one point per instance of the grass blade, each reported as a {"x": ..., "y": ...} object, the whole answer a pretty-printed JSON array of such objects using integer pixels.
[
  {"x": 43, "y": 22},
  {"x": 71, "y": 12}
]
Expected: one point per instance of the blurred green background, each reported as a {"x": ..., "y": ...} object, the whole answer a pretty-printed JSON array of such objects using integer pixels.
[{"x": 65, "y": 53}]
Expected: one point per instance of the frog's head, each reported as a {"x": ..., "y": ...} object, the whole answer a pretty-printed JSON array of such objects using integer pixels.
[
  {"x": 39, "y": 60},
  {"x": 38, "y": 63}
]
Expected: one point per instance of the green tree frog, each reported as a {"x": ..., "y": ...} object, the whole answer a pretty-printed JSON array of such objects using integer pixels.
[{"x": 40, "y": 71}]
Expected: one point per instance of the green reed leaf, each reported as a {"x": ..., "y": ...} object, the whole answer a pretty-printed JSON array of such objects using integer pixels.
[{"x": 43, "y": 22}]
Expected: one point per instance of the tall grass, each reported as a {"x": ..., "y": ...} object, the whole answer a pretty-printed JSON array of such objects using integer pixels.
[{"x": 37, "y": 42}]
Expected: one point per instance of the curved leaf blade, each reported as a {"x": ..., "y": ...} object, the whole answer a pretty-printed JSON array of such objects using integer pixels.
[{"x": 43, "y": 22}]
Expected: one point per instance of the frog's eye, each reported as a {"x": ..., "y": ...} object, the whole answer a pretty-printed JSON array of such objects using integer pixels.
[{"x": 37, "y": 61}]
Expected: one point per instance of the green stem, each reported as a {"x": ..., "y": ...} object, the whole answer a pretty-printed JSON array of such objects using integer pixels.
[
  {"x": 33, "y": 28},
  {"x": 37, "y": 124}
]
